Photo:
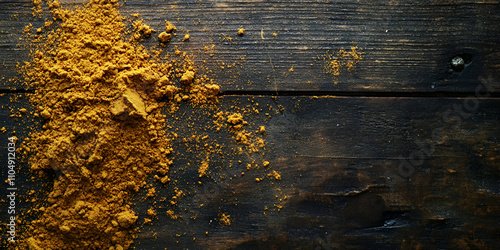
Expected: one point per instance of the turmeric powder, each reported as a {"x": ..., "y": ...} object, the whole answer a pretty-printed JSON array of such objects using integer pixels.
[
  {"x": 342, "y": 59},
  {"x": 100, "y": 98}
]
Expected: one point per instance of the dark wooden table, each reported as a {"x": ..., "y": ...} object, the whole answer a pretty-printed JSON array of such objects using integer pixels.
[{"x": 401, "y": 152}]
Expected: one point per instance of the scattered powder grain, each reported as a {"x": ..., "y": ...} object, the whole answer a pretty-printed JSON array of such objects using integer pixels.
[
  {"x": 236, "y": 125},
  {"x": 172, "y": 215},
  {"x": 225, "y": 219},
  {"x": 203, "y": 170},
  {"x": 262, "y": 129},
  {"x": 275, "y": 175},
  {"x": 342, "y": 59}
]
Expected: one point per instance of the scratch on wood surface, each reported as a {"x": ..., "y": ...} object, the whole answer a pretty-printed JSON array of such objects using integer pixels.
[
  {"x": 351, "y": 193},
  {"x": 274, "y": 74}
]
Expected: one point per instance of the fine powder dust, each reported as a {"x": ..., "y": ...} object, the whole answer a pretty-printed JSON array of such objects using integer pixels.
[
  {"x": 100, "y": 98},
  {"x": 342, "y": 59}
]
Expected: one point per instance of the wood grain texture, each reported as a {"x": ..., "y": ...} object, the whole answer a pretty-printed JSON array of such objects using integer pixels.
[
  {"x": 408, "y": 45},
  {"x": 339, "y": 160},
  {"x": 379, "y": 172}
]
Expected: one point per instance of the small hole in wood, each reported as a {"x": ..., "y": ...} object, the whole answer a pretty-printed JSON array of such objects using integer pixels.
[{"x": 459, "y": 62}]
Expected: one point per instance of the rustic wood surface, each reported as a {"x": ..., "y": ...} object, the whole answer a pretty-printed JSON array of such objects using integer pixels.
[
  {"x": 407, "y": 44},
  {"x": 399, "y": 153}
]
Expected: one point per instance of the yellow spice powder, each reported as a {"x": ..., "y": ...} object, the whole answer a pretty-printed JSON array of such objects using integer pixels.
[
  {"x": 100, "y": 99},
  {"x": 342, "y": 59},
  {"x": 100, "y": 95}
]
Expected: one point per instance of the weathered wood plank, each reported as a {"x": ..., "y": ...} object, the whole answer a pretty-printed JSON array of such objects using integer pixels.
[
  {"x": 339, "y": 160},
  {"x": 408, "y": 45}
]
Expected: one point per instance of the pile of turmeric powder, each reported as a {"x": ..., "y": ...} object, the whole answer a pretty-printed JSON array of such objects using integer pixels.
[{"x": 100, "y": 98}]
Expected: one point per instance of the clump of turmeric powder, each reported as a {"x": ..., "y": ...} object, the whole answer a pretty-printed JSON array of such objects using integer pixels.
[
  {"x": 164, "y": 37},
  {"x": 169, "y": 27},
  {"x": 141, "y": 30},
  {"x": 225, "y": 219}
]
